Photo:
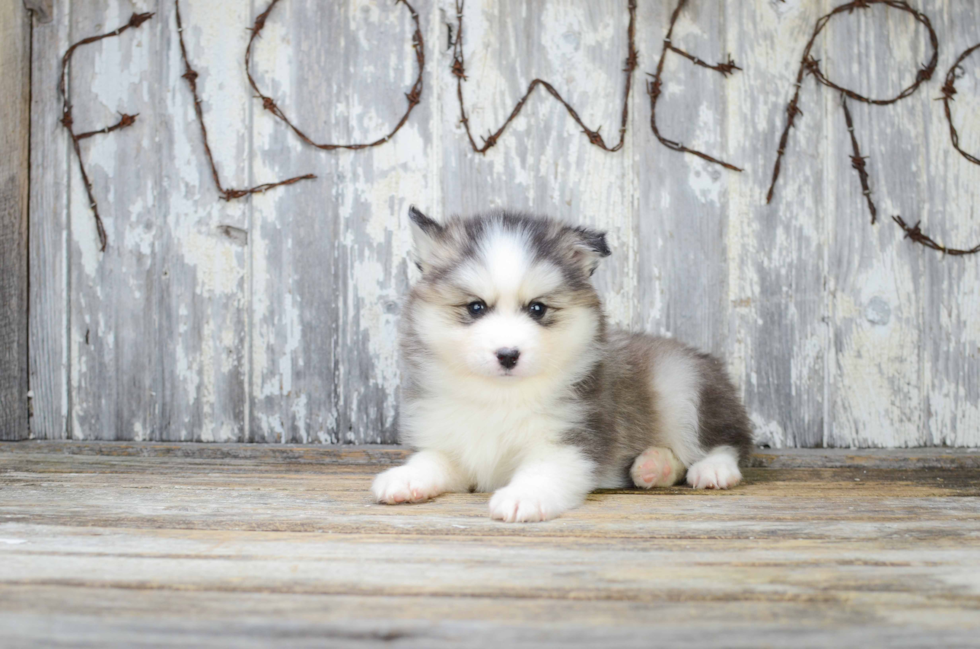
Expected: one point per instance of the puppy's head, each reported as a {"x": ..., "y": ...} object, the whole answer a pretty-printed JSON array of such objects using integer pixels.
[{"x": 505, "y": 296}]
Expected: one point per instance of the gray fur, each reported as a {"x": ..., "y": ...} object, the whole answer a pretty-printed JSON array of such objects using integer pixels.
[{"x": 624, "y": 406}]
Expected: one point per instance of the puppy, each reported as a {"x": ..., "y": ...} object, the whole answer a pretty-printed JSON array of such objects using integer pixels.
[{"x": 513, "y": 383}]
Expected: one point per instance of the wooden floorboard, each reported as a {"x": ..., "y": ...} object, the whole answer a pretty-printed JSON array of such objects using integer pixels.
[{"x": 157, "y": 545}]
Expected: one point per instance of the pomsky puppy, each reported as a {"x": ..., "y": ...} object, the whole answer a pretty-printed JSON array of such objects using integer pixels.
[{"x": 513, "y": 383}]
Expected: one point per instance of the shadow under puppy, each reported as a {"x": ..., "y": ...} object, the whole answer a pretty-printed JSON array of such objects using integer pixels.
[{"x": 513, "y": 383}]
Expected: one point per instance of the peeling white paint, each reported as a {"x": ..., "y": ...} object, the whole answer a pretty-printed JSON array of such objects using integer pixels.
[
  {"x": 767, "y": 432},
  {"x": 837, "y": 332}
]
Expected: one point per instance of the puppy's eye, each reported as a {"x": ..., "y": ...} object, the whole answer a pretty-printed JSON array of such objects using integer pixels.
[
  {"x": 477, "y": 308},
  {"x": 537, "y": 310}
]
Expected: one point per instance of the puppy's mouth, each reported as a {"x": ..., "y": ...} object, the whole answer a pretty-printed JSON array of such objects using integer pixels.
[
  {"x": 514, "y": 374},
  {"x": 509, "y": 374}
]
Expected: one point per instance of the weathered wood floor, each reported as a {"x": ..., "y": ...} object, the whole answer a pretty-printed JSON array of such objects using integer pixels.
[{"x": 149, "y": 545}]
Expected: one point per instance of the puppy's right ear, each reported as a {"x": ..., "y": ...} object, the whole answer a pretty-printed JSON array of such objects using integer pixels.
[
  {"x": 588, "y": 248},
  {"x": 427, "y": 235}
]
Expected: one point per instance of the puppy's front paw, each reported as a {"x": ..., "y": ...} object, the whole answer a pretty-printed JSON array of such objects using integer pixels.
[
  {"x": 714, "y": 472},
  {"x": 513, "y": 505},
  {"x": 405, "y": 484}
]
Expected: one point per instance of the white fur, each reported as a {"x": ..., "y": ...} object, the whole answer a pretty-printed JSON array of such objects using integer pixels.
[
  {"x": 426, "y": 475},
  {"x": 489, "y": 425},
  {"x": 505, "y": 257},
  {"x": 488, "y": 431},
  {"x": 499, "y": 430},
  {"x": 550, "y": 362},
  {"x": 507, "y": 271},
  {"x": 718, "y": 470},
  {"x": 544, "y": 486},
  {"x": 503, "y": 328},
  {"x": 502, "y": 435},
  {"x": 506, "y": 279},
  {"x": 677, "y": 385}
]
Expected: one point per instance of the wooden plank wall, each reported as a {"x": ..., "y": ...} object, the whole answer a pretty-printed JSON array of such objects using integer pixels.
[
  {"x": 272, "y": 319},
  {"x": 15, "y": 93}
]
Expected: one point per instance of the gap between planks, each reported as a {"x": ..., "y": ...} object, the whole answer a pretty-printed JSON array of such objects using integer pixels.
[{"x": 911, "y": 458}]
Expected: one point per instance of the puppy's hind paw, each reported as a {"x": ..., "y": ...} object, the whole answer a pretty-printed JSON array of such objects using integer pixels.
[
  {"x": 656, "y": 467},
  {"x": 717, "y": 471}
]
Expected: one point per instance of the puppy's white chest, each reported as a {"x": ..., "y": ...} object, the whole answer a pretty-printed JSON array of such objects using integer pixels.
[{"x": 488, "y": 442}]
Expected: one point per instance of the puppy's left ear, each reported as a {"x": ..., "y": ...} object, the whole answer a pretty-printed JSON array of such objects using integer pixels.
[
  {"x": 588, "y": 248},
  {"x": 427, "y": 235}
]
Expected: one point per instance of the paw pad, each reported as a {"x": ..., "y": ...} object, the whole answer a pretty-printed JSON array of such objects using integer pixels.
[{"x": 656, "y": 467}]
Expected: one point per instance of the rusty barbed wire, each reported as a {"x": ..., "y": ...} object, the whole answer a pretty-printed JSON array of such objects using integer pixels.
[
  {"x": 414, "y": 96},
  {"x": 190, "y": 75},
  {"x": 124, "y": 121},
  {"x": 458, "y": 69},
  {"x": 655, "y": 87},
  {"x": 949, "y": 90},
  {"x": 810, "y": 65},
  {"x": 859, "y": 162},
  {"x": 915, "y": 232},
  {"x": 135, "y": 20}
]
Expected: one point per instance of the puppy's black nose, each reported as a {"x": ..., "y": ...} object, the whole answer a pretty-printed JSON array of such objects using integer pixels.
[{"x": 508, "y": 357}]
